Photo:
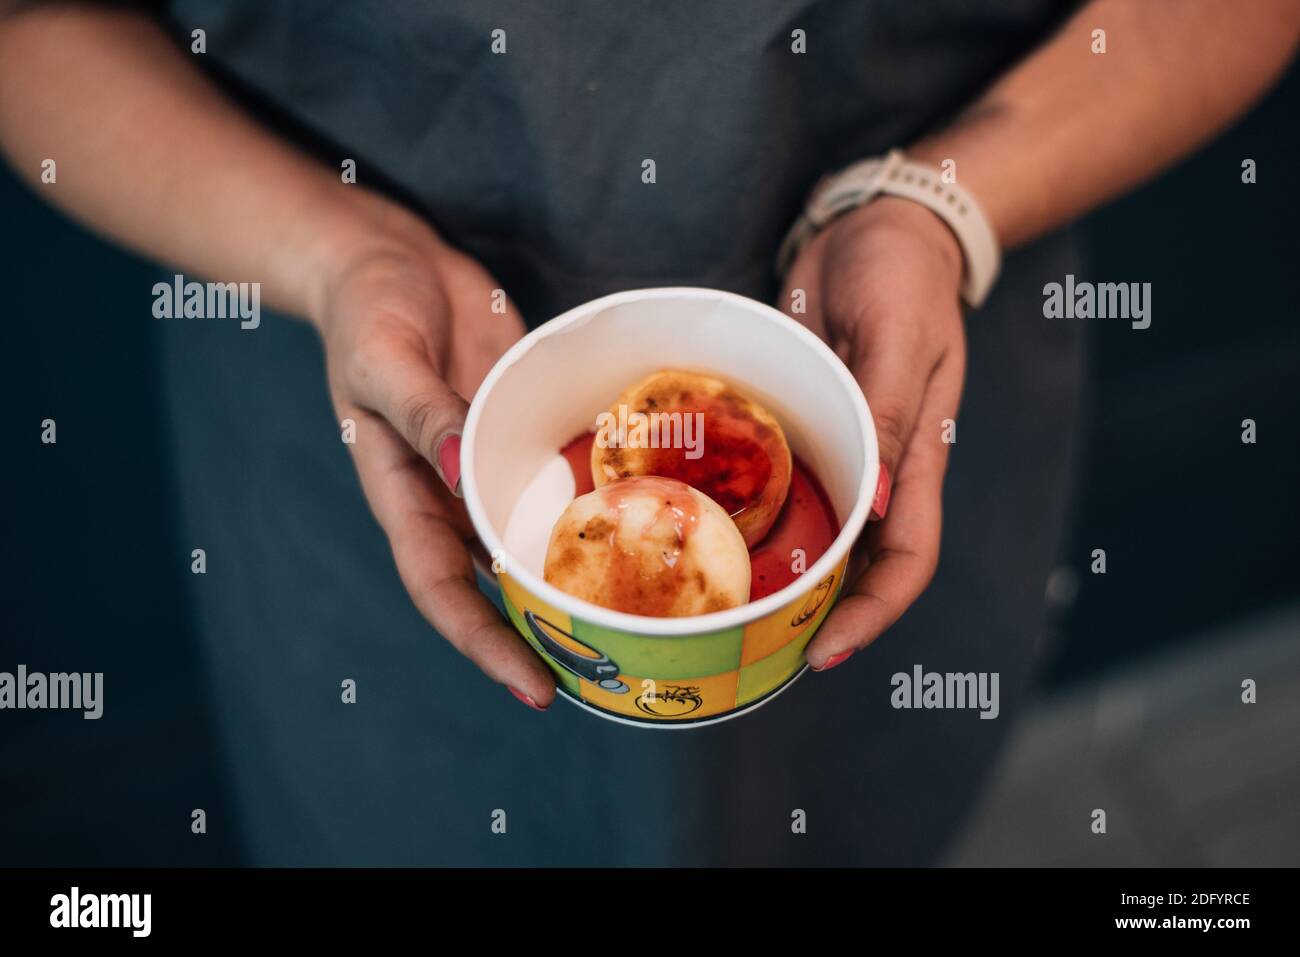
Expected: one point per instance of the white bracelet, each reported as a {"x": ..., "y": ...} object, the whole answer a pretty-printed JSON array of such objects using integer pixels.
[{"x": 895, "y": 175}]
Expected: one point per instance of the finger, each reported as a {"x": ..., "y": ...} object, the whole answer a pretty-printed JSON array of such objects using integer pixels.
[
  {"x": 395, "y": 378},
  {"x": 893, "y": 371},
  {"x": 904, "y": 548},
  {"x": 434, "y": 564}
]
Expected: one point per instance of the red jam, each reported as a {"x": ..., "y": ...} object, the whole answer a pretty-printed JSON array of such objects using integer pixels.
[
  {"x": 807, "y": 520},
  {"x": 734, "y": 466},
  {"x": 578, "y": 452}
]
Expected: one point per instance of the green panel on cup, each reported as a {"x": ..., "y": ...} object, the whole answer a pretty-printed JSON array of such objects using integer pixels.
[
  {"x": 567, "y": 680},
  {"x": 666, "y": 657}
]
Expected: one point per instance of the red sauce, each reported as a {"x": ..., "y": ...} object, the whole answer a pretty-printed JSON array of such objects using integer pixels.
[
  {"x": 733, "y": 467},
  {"x": 807, "y": 520},
  {"x": 578, "y": 452}
]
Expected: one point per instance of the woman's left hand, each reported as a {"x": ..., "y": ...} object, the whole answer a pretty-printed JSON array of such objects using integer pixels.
[{"x": 881, "y": 285}]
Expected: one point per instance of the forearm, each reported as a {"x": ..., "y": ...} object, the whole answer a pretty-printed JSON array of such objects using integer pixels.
[
  {"x": 150, "y": 152},
  {"x": 1067, "y": 129}
]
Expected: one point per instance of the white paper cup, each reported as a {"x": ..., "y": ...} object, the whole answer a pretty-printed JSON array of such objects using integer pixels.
[{"x": 549, "y": 387}]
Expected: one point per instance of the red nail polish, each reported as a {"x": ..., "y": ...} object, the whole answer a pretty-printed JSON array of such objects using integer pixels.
[
  {"x": 448, "y": 455},
  {"x": 884, "y": 486},
  {"x": 834, "y": 660},
  {"x": 526, "y": 700}
]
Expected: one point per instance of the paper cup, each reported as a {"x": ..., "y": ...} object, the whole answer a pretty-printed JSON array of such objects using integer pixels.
[{"x": 548, "y": 388}]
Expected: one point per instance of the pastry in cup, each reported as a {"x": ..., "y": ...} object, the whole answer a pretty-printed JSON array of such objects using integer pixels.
[
  {"x": 701, "y": 431},
  {"x": 649, "y": 546}
]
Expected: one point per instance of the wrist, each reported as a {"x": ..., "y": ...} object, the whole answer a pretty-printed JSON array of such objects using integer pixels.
[
  {"x": 895, "y": 220},
  {"x": 894, "y": 175}
]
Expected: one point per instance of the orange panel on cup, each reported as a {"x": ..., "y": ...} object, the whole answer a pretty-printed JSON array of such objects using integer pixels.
[
  {"x": 667, "y": 701},
  {"x": 769, "y": 635}
]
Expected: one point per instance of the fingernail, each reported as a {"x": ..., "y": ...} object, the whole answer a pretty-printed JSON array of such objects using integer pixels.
[
  {"x": 526, "y": 700},
  {"x": 880, "y": 504},
  {"x": 834, "y": 660},
  {"x": 448, "y": 456}
]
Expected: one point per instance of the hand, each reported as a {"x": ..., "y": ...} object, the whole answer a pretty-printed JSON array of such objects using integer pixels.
[
  {"x": 881, "y": 286},
  {"x": 409, "y": 334}
]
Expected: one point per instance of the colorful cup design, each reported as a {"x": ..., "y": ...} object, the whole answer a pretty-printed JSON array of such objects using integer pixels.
[{"x": 660, "y": 672}]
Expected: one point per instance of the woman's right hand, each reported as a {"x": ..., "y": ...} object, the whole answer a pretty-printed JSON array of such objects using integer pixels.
[{"x": 410, "y": 332}]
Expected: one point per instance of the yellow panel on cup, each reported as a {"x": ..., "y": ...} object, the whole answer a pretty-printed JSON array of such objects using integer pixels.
[
  {"x": 667, "y": 701},
  {"x": 769, "y": 635},
  {"x": 526, "y": 601},
  {"x": 556, "y": 624}
]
